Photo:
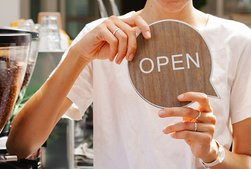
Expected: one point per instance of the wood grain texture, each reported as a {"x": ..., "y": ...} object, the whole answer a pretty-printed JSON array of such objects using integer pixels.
[{"x": 180, "y": 62}]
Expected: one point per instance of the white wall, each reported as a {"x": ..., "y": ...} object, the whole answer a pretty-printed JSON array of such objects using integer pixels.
[{"x": 9, "y": 11}]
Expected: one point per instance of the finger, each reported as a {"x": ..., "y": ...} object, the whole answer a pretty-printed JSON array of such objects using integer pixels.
[
  {"x": 138, "y": 21},
  {"x": 201, "y": 98},
  {"x": 188, "y": 113},
  {"x": 131, "y": 34},
  {"x": 189, "y": 126},
  {"x": 108, "y": 37},
  {"x": 122, "y": 40},
  {"x": 178, "y": 112},
  {"x": 191, "y": 136}
]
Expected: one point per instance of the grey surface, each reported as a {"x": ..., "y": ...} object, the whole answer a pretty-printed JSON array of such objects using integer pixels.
[
  {"x": 46, "y": 62},
  {"x": 59, "y": 151}
]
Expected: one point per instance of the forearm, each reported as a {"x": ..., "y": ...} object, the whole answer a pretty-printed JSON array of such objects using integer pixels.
[
  {"x": 234, "y": 161},
  {"x": 35, "y": 121}
]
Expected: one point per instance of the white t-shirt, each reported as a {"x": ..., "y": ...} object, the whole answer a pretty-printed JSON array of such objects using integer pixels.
[{"x": 127, "y": 129}]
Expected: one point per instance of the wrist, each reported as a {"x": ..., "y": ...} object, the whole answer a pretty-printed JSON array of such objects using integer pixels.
[
  {"x": 219, "y": 159},
  {"x": 213, "y": 153},
  {"x": 76, "y": 52}
]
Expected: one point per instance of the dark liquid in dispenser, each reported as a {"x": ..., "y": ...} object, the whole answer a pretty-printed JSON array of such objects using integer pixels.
[
  {"x": 27, "y": 78},
  {"x": 9, "y": 79},
  {"x": 28, "y": 72}
]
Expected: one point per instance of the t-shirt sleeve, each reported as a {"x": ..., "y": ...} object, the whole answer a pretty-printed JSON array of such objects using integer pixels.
[
  {"x": 241, "y": 90},
  {"x": 81, "y": 94}
]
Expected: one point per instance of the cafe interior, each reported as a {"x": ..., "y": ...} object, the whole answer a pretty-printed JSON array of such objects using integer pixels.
[{"x": 70, "y": 144}]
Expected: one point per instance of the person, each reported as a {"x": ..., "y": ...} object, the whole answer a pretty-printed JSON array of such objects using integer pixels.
[{"x": 128, "y": 131}]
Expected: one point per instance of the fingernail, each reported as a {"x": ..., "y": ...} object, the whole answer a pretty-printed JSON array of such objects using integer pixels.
[
  {"x": 131, "y": 57},
  {"x": 180, "y": 97},
  {"x": 173, "y": 135},
  {"x": 117, "y": 60},
  {"x": 166, "y": 130},
  {"x": 161, "y": 112},
  {"x": 147, "y": 34}
]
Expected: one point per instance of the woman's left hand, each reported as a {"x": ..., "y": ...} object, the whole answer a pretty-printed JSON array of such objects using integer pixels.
[{"x": 196, "y": 128}]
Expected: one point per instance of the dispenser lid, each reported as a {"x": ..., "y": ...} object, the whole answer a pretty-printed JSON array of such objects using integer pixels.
[
  {"x": 18, "y": 39},
  {"x": 34, "y": 35}
]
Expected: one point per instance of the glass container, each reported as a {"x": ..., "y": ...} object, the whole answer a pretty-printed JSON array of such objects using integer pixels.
[{"x": 14, "y": 51}]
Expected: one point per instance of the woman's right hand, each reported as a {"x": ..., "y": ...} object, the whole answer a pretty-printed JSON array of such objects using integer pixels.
[{"x": 113, "y": 39}]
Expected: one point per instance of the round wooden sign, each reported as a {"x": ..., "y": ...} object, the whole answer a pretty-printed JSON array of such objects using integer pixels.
[{"x": 175, "y": 60}]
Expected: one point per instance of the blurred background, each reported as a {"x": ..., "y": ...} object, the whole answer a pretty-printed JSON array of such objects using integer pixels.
[
  {"x": 76, "y": 13},
  {"x": 58, "y": 22}
]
